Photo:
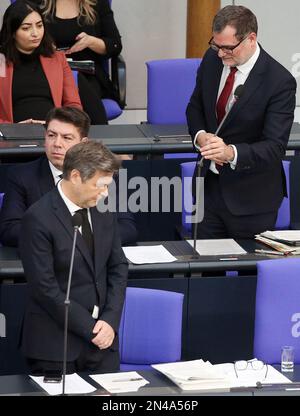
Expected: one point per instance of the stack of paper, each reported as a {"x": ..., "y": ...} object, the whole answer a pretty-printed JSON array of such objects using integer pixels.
[
  {"x": 195, "y": 375},
  {"x": 284, "y": 241},
  {"x": 120, "y": 382}
]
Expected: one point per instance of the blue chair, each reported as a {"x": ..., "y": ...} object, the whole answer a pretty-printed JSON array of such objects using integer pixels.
[
  {"x": 150, "y": 328},
  {"x": 187, "y": 171},
  {"x": 277, "y": 310},
  {"x": 170, "y": 83}
]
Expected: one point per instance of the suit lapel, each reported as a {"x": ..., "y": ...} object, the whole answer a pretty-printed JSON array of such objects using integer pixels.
[
  {"x": 63, "y": 215},
  {"x": 6, "y": 94},
  {"x": 211, "y": 93},
  {"x": 54, "y": 78},
  {"x": 97, "y": 222},
  {"x": 251, "y": 85},
  {"x": 46, "y": 181}
]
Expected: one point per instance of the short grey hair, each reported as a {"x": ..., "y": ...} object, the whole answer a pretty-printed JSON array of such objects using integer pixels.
[{"x": 89, "y": 158}]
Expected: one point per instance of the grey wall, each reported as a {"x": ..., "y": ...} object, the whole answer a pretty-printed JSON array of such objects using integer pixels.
[
  {"x": 150, "y": 29},
  {"x": 278, "y": 31}
]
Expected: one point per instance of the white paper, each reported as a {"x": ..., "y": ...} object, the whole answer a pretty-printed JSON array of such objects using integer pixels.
[
  {"x": 74, "y": 384},
  {"x": 288, "y": 235},
  {"x": 120, "y": 382},
  {"x": 148, "y": 254},
  {"x": 217, "y": 247},
  {"x": 200, "y": 375}
]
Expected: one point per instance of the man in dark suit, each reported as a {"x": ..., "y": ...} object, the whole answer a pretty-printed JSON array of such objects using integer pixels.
[
  {"x": 99, "y": 275},
  {"x": 244, "y": 180},
  {"x": 28, "y": 182}
]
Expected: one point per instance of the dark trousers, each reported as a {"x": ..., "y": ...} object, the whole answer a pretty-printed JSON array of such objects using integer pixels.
[
  {"x": 219, "y": 222},
  {"x": 90, "y": 95},
  {"x": 91, "y": 359}
]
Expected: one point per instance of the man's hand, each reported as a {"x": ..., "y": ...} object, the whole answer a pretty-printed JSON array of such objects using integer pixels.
[
  {"x": 105, "y": 335},
  {"x": 32, "y": 121},
  {"x": 215, "y": 149}
]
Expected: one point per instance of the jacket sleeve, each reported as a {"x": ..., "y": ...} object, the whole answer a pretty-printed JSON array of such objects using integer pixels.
[
  {"x": 108, "y": 30},
  {"x": 12, "y": 211}
]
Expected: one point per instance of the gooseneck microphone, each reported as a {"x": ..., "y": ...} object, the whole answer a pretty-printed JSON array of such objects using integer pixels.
[
  {"x": 76, "y": 223},
  {"x": 237, "y": 94}
]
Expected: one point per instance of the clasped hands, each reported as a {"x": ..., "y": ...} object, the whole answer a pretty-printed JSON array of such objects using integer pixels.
[
  {"x": 104, "y": 335},
  {"x": 213, "y": 148}
]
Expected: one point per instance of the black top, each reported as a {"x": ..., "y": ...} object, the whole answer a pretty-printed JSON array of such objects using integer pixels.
[
  {"x": 31, "y": 95},
  {"x": 64, "y": 32}
]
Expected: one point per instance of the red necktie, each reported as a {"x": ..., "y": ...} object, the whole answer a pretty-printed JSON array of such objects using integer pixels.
[{"x": 223, "y": 98}]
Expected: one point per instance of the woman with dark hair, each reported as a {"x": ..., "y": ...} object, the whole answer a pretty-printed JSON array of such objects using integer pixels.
[
  {"x": 33, "y": 76},
  {"x": 87, "y": 30}
]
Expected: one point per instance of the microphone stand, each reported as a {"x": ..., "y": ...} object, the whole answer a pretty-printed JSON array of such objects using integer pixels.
[
  {"x": 67, "y": 304},
  {"x": 237, "y": 94}
]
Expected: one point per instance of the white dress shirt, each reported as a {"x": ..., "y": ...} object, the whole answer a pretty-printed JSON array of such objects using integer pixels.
[
  {"x": 71, "y": 206},
  {"x": 241, "y": 75}
]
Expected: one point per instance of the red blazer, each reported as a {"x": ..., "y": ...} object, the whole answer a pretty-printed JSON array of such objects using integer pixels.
[{"x": 61, "y": 82}]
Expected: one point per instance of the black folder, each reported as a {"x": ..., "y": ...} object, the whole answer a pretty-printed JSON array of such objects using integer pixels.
[{"x": 22, "y": 131}]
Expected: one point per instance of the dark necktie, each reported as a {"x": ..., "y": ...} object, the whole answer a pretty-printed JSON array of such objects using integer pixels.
[
  {"x": 225, "y": 94},
  {"x": 86, "y": 230}
]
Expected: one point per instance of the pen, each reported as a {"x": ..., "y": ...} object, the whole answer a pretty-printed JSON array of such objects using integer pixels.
[
  {"x": 186, "y": 141},
  {"x": 228, "y": 258},
  {"x": 277, "y": 253},
  {"x": 27, "y": 145},
  {"x": 171, "y": 136},
  {"x": 128, "y": 379}
]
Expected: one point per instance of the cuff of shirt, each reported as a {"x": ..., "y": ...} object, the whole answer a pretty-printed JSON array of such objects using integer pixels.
[
  {"x": 195, "y": 139},
  {"x": 234, "y": 161}
]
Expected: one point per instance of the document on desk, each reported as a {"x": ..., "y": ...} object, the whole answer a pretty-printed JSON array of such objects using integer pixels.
[
  {"x": 148, "y": 254},
  {"x": 204, "y": 376},
  {"x": 195, "y": 375},
  {"x": 74, "y": 384},
  {"x": 120, "y": 382},
  {"x": 217, "y": 247}
]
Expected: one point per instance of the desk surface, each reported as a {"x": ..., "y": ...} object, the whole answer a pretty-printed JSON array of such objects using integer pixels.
[
  {"x": 128, "y": 138},
  {"x": 187, "y": 262},
  {"x": 159, "y": 385}
]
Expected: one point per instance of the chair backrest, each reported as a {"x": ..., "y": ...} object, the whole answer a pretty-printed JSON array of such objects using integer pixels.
[
  {"x": 187, "y": 171},
  {"x": 150, "y": 328},
  {"x": 277, "y": 310},
  {"x": 112, "y": 108},
  {"x": 170, "y": 85}
]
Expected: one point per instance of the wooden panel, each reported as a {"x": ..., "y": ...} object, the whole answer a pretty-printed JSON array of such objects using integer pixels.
[{"x": 200, "y": 15}]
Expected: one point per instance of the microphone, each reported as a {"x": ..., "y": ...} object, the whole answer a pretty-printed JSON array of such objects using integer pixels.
[
  {"x": 76, "y": 223},
  {"x": 238, "y": 92}
]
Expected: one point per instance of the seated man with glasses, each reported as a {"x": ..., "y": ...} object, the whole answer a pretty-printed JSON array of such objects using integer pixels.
[{"x": 242, "y": 164}]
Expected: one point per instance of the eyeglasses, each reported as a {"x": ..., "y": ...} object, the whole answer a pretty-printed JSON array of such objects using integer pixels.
[
  {"x": 254, "y": 364},
  {"x": 225, "y": 49}
]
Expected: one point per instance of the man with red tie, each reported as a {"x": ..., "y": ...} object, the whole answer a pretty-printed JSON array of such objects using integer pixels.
[{"x": 244, "y": 178}]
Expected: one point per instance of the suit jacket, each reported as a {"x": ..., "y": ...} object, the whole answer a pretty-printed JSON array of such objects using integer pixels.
[
  {"x": 45, "y": 250},
  {"x": 258, "y": 125},
  {"x": 26, "y": 184},
  {"x": 61, "y": 82}
]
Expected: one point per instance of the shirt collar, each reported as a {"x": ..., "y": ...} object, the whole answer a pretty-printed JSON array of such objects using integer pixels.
[
  {"x": 247, "y": 66},
  {"x": 70, "y": 205},
  {"x": 55, "y": 172}
]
